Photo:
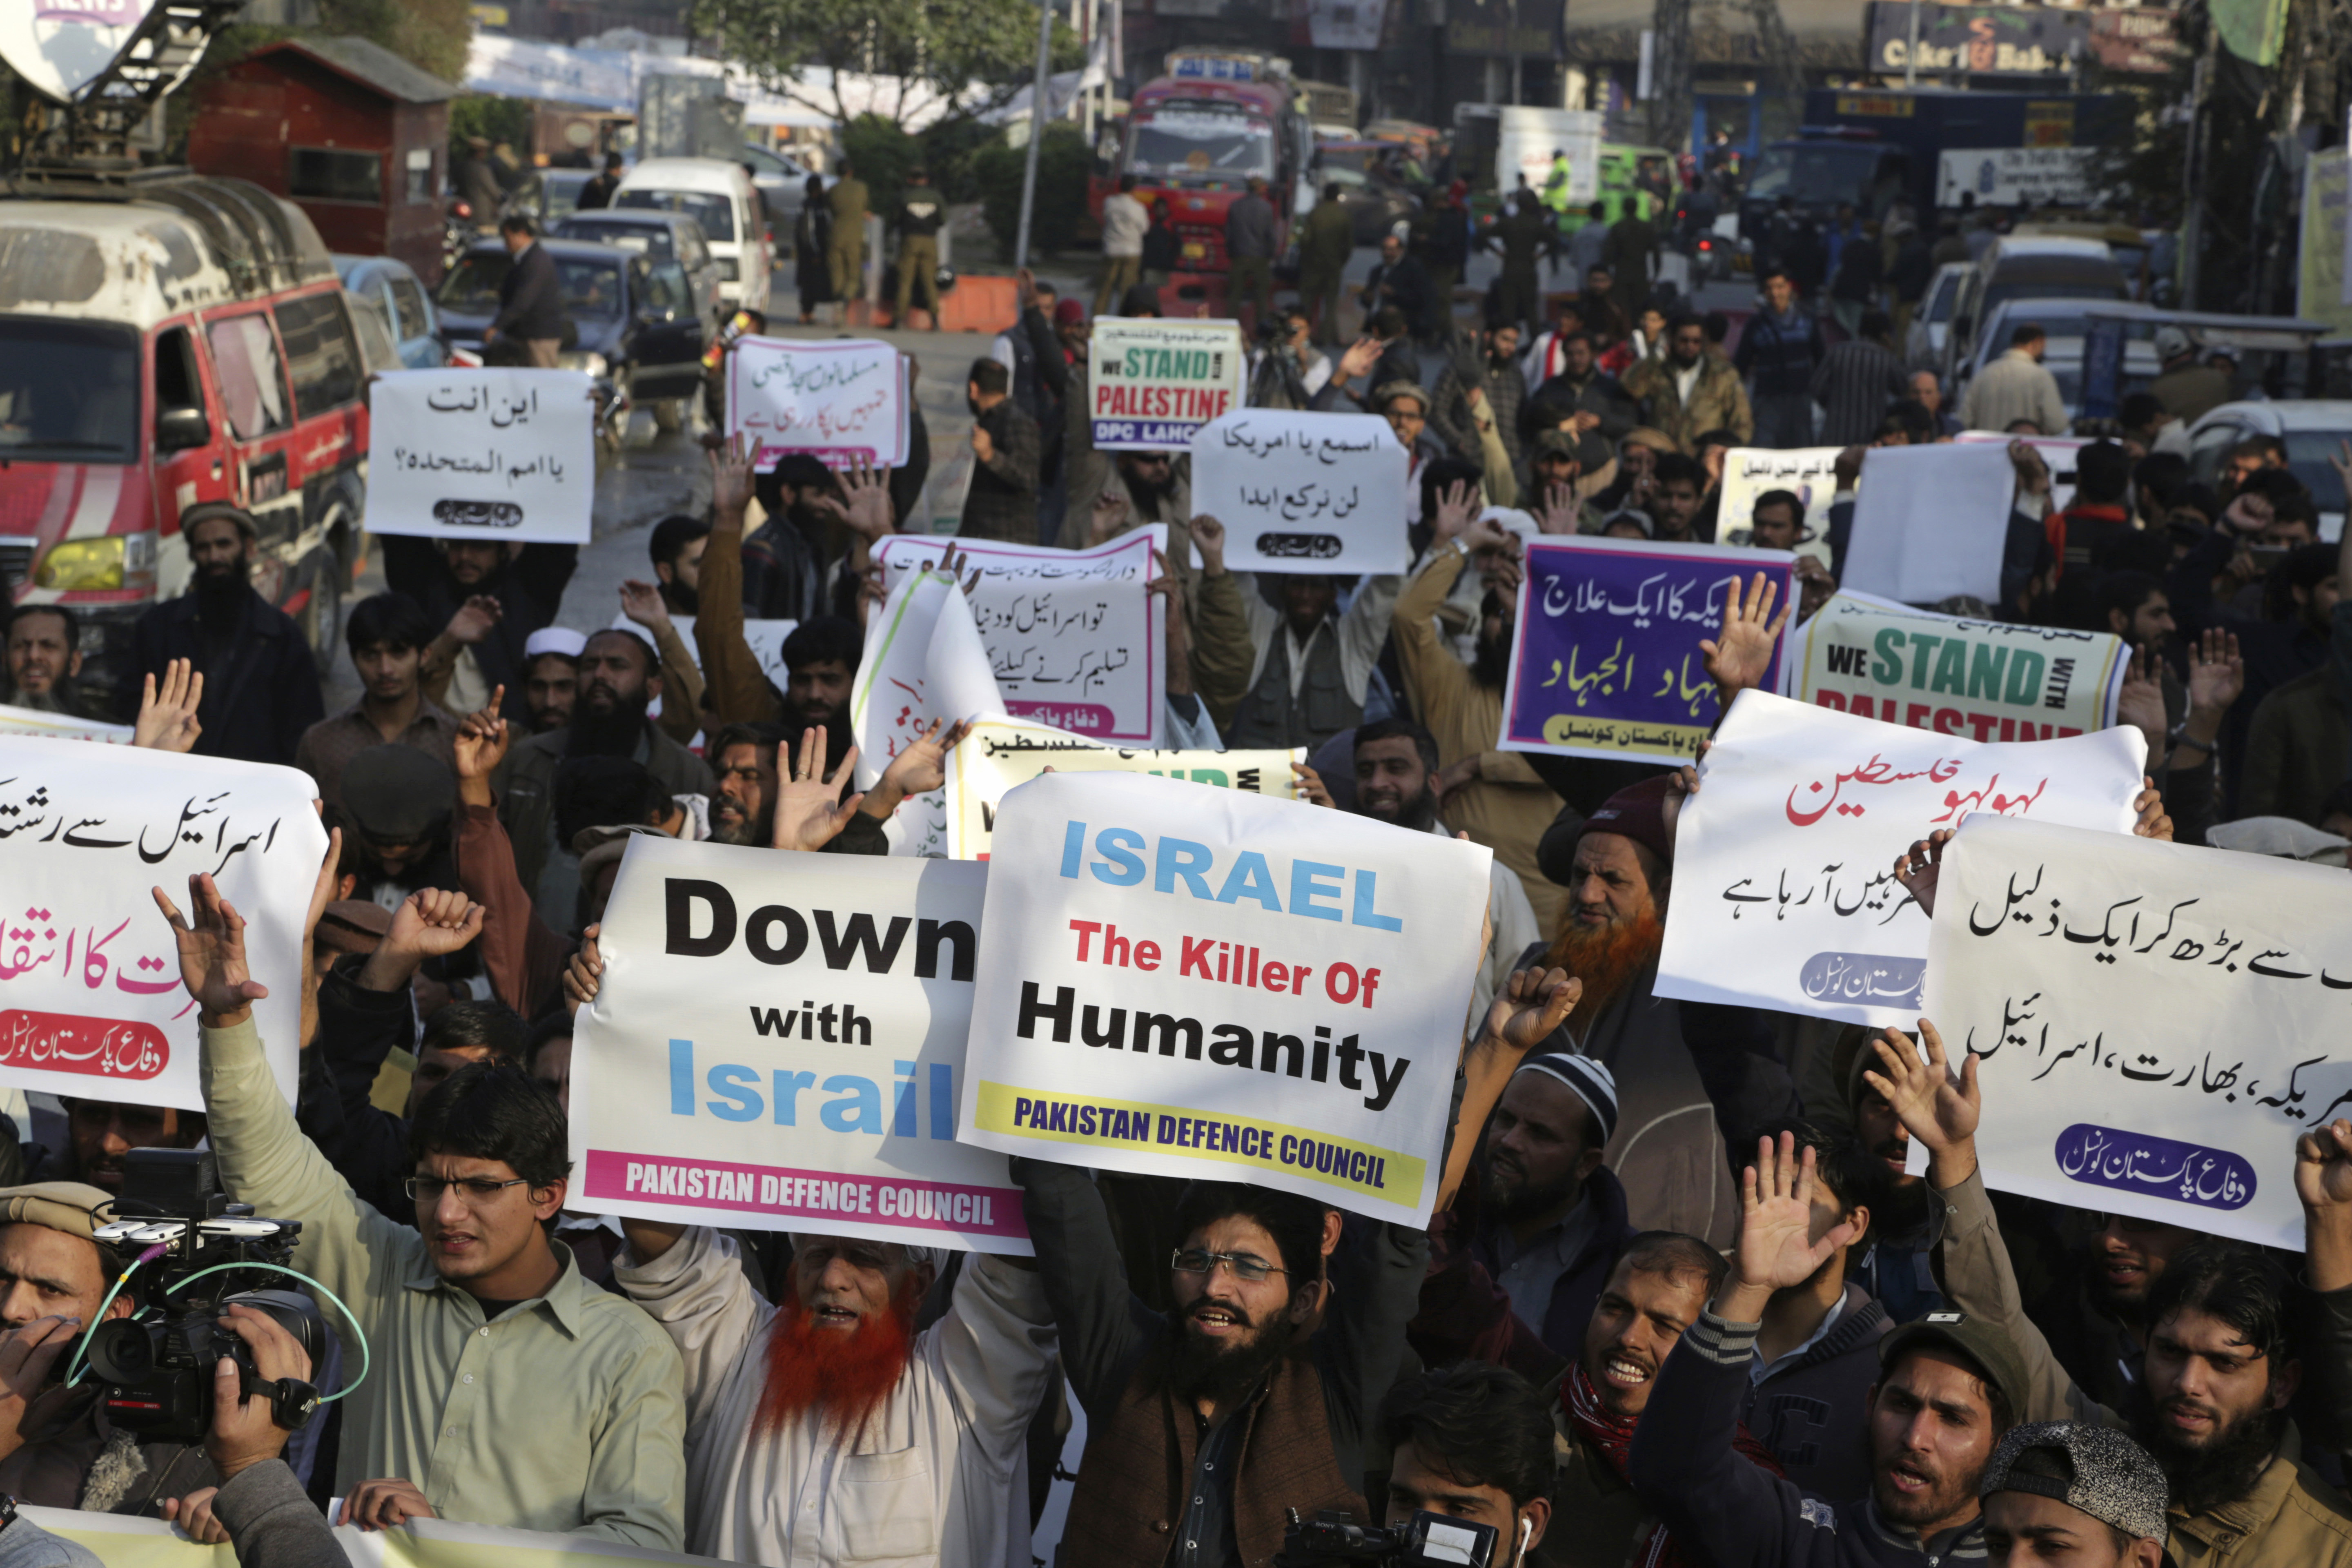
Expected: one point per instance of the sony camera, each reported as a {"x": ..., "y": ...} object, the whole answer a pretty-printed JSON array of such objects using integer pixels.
[
  {"x": 1437, "y": 1539},
  {"x": 155, "y": 1368}
]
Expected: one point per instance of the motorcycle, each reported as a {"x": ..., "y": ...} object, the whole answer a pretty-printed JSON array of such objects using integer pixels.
[
  {"x": 612, "y": 417},
  {"x": 457, "y": 232}
]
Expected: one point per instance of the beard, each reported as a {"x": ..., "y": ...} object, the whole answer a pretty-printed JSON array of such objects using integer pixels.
[
  {"x": 681, "y": 599},
  {"x": 1606, "y": 958},
  {"x": 1492, "y": 668},
  {"x": 2223, "y": 1471},
  {"x": 1512, "y": 1197},
  {"x": 728, "y": 825},
  {"x": 848, "y": 1376},
  {"x": 1417, "y": 813},
  {"x": 56, "y": 700},
  {"x": 1201, "y": 1368},
  {"x": 612, "y": 731}
]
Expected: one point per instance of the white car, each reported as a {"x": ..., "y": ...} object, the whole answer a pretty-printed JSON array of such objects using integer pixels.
[
  {"x": 2315, "y": 431},
  {"x": 720, "y": 196},
  {"x": 1923, "y": 345}
]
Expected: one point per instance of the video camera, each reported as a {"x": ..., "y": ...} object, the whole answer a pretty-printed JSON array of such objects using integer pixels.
[
  {"x": 1332, "y": 1540},
  {"x": 155, "y": 1367}
]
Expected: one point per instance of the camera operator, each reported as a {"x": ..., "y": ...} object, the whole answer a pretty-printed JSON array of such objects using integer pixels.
[
  {"x": 1473, "y": 1441},
  {"x": 260, "y": 1507},
  {"x": 505, "y": 1388},
  {"x": 57, "y": 1447}
]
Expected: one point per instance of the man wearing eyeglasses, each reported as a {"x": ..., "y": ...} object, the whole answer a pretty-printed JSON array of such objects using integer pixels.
[
  {"x": 501, "y": 1387},
  {"x": 1206, "y": 1422}
]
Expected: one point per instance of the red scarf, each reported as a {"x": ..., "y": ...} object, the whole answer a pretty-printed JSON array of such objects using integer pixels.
[{"x": 1613, "y": 1435}]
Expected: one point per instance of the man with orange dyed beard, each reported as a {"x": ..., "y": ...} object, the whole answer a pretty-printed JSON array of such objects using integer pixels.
[
  {"x": 1687, "y": 1075},
  {"x": 825, "y": 1429}
]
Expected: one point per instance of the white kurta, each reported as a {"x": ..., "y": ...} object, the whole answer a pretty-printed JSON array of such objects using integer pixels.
[{"x": 939, "y": 1479}]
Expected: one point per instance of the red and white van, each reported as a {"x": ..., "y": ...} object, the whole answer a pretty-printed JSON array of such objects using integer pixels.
[{"x": 180, "y": 339}]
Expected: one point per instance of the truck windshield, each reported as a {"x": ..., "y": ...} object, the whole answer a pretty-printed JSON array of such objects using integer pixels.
[
  {"x": 68, "y": 391},
  {"x": 1201, "y": 146},
  {"x": 1825, "y": 173}
]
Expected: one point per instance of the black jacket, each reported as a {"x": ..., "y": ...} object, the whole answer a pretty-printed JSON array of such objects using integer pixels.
[
  {"x": 530, "y": 298},
  {"x": 259, "y": 694},
  {"x": 368, "y": 1147}
]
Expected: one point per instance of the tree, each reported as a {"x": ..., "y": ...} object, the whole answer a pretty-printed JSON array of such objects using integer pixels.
[
  {"x": 937, "y": 49},
  {"x": 435, "y": 35}
]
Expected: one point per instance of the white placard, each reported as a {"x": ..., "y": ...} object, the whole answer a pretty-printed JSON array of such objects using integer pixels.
[
  {"x": 1156, "y": 383},
  {"x": 766, "y": 637},
  {"x": 837, "y": 401},
  {"x": 90, "y": 1001},
  {"x": 1931, "y": 522},
  {"x": 507, "y": 456},
  {"x": 1184, "y": 929},
  {"x": 17, "y": 721},
  {"x": 2158, "y": 1023},
  {"x": 1304, "y": 492},
  {"x": 778, "y": 1043},
  {"x": 924, "y": 661},
  {"x": 1784, "y": 893},
  {"x": 2057, "y": 454},
  {"x": 2018, "y": 177},
  {"x": 1810, "y": 472},
  {"x": 1073, "y": 637}
]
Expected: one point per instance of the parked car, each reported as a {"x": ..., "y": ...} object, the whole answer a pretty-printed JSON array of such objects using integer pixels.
[
  {"x": 720, "y": 196},
  {"x": 1923, "y": 345},
  {"x": 394, "y": 289},
  {"x": 558, "y": 194},
  {"x": 783, "y": 181},
  {"x": 633, "y": 318},
  {"x": 2314, "y": 429},
  {"x": 2066, "y": 322},
  {"x": 662, "y": 235},
  {"x": 196, "y": 348},
  {"x": 1375, "y": 202},
  {"x": 2043, "y": 268}
]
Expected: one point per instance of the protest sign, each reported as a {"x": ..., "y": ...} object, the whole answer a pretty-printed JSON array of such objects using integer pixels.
[
  {"x": 923, "y": 661},
  {"x": 1931, "y": 522},
  {"x": 1258, "y": 1045},
  {"x": 1156, "y": 383},
  {"x": 61, "y": 727},
  {"x": 1304, "y": 492},
  {"x": 2156, "y": 1023},
  {"x": 1808, "y": 472},
  {"x": 1784, "y": 892},
  {"x": 801, "y": 1019},
  {"x": 482, "y": 453},
  {"x": 766, "y": 637},
  {"x": 1073, "y": 637},
  {"x": 1987, "y": 679},
  {"x": 2057, "y": 452},
  {"x": 1001, "y": 754},
  {"x": 90, "y": 1002},
  {"x": 127, "y": 1540},
  {"x": 837, "y": 401},
  {"x": 1604, "y": 654}
]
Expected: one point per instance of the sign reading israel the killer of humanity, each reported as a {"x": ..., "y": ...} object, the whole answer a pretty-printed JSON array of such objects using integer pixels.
[
  {"x": 777, "y": 1043},
  {"x": 1284, "y": 987},
  {"x": 1986, "y": 680},
  {"x": 1154, "y": 383}
]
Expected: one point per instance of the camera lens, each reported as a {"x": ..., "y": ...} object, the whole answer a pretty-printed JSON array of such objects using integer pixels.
[{"x": 122, "y": 1351}]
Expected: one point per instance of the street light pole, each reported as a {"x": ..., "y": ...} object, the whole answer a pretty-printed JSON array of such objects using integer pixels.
[
  {"x": 1911, "y": 55},
  {"x": 1037, "y": 131}
]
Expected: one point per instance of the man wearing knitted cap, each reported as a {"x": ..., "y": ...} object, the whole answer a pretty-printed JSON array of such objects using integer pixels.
[
  {"x": 2063, "y": 1492},
  {"x": 57, "y": 1447}
]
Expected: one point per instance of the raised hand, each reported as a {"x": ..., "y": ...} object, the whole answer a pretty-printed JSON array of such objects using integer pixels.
[
  {"x": 1456, "y": 505},
  {"x": 866, "y": 506},
  {"x": 1558, "y": 512},
  {"x": 730, "y": 481},
  {"x": 2140, "y": 702},
  {"x": 1105, "y": 519},
  {"x": 1777, "y": 1248},
  {"x": 922, "y": 765},
  {"x": 810, "y": 812},
  {"x": 433, "y": 923},
  {"x": 481, "y": 743},
  {"x": 2217, "y": 674},
  {"x": 1531, "y": 1008},
  {"x": 1361, "y": 356},
  {"x": 642, "y": 603},
  {"x": 167, "y": 719},
  {"x": 212, "y": 955},
  {"x": 1209, "y": 535},
  {"x": 1918, "y": 867},
  {"x": 2323, "y": 1180},
  {"x": 474, "y": 620},
  {"x": 1941, "y": 1111},
  {"x": 1739, "y": 655}
]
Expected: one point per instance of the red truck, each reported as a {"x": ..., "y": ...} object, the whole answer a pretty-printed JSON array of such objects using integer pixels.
[{"x": 1194, "y": 137}]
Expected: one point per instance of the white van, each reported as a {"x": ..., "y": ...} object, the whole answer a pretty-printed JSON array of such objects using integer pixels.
[{"x": 721, "y": 197}]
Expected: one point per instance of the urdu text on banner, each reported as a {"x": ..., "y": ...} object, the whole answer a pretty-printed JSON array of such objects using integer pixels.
[
  {"x": 2156, "y": 1023},
  {"x": 1073, "y": 637},
  {"x": 1989, "y": 681},
  {"x": 1784, "y": 893},
  {"x": 1605, "y": 660},
  {"x": 1809, "y": 473},
  {"x": 837, "y": 401},
  {"x": 501, "y": 455},
  {"x": 924, "y": 662},
  {"x": 777, "y": 1043},
  {"x": 92, "y": 1006},
  {"x": 1304, "y": 492},
  {"x": 1153, "y": 383},
  {"x": 1174, "y": 1003},
  {"x": 1002, "y": 754}
]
